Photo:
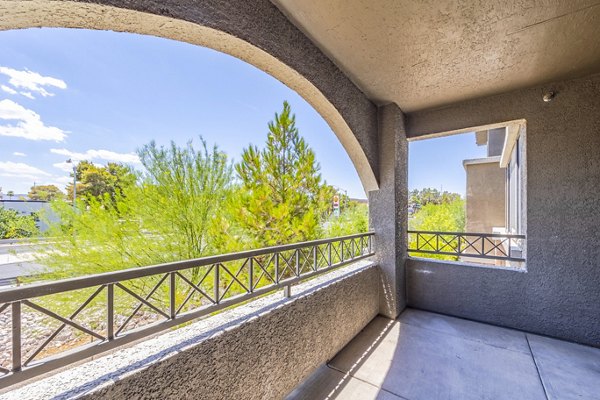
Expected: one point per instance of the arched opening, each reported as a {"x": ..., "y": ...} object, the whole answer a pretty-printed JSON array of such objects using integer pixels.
[
  {"x": 210, "y": 25},
  {"x": 224, "y": 281}
]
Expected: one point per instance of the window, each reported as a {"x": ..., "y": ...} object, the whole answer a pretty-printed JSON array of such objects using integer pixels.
[{"x": 481, "y": 219}]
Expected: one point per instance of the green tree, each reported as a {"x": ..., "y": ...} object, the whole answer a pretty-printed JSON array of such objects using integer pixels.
[
  {"x": 45, "y": 193},
  {"x": 354, "y": 218},
  {"x": 165, "y": 216},
  {"x": 10, "y": 194},
  {"x": 444, "y": 217},
  {"x": 98, "y": 181},
  {"x": 183, "y": 192},
  {"x": 13, "y": 225},
  {"x": 124, "y": 177},
  {"x": 282, "y": 198},
  {"x": 418, "y": 198}
]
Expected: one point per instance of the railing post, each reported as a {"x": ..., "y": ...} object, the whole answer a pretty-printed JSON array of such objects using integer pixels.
[
  {"x": 172, "y": 293},
  {"x": 276, "y": 267},
  {"x": 217, "y": 283},
  {"x": 251, "y": 275},
  {"x": 352, "y": 248},
  {"x": 297, "y": 262},
  {"x": 329, "y": 248},
  {"x": 341, "y": 250},
  {"x": 287, "y": 291},
  {"x": 370, "y": 238},
  {"x": 110, "y": 311},
  {"x": 315, "y": 259},
  {"x": 16, "y": 336}
]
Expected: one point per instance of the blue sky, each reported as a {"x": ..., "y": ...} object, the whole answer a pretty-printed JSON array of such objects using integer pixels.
[
  {"x": 100, "y": 95},
  {"x": 437, "y": 163}
]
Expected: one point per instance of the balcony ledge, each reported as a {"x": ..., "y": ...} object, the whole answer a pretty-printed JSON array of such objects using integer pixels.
[{"x": 245, "y": 339}]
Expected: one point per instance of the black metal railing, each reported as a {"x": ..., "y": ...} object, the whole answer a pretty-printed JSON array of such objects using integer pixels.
[
  {"x": 170, "y": 294},
  {"x": 494, "y": 246}
]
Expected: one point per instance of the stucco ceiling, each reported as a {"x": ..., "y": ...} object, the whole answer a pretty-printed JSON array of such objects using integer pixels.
[{"x": 429, "y": 53}]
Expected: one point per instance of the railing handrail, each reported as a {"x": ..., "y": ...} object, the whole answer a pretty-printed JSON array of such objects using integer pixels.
[
  {"x": 45, "y": 288},
  {"x": 498, "y": 235}
]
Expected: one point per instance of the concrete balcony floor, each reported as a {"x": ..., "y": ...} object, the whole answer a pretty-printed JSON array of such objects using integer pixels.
[{"x": 424, "y": 355}]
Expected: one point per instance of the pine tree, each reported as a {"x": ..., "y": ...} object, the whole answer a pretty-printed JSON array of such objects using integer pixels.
[{"x": 283, "y": 197}]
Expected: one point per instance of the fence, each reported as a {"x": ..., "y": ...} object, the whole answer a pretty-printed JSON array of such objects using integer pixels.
[
  {"x": 467, "y": 244},
  {"x": 128, "y": 305}
]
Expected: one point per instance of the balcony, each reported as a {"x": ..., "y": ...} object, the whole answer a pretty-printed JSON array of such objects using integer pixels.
[{"x": 468, "y": 69}]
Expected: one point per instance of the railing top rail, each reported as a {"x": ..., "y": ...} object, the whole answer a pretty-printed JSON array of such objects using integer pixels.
[
  {"x": 497, "y": 235},
  {"x": 64, "y": 285}
]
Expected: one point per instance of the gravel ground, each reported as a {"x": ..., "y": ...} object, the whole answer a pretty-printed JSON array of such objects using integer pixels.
[{"x": 36, "y": 328}]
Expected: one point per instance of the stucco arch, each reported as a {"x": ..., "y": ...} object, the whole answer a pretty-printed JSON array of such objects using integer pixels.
[{"x": 253, "y": 31}]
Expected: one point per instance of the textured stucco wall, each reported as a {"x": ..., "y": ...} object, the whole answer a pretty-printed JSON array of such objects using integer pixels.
[
  {"x": 388, "y": 210},
  {"x": 254, "y": 31},
  {"x": 262, "y": 357},
  {"x": 486, "y": 196},
  {"x": 423, "y": 54},
  {"x": 495, "y": 143},
  {"x": 559, "y": 295}
]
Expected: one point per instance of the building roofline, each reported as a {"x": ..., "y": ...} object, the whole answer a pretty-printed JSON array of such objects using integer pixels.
[{"x": 484, "y": 160}]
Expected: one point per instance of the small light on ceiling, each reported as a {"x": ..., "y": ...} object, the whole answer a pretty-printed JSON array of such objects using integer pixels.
[{"x": 548, "y": 97}]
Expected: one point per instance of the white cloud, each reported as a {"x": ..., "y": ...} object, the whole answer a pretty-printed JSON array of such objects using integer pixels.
[
  {"x": 61, "y": 181},
  {"x": 27, "y": 94},
  {"x": 64, "y": 166},
  {"x": 19, "y": 154},
  {"x": 20, "y": 170},
  {"x": 7, "y": 89},
  {"x": 107, "y": 155},
  {"x": 19, "y": 177},
  {"x": 32, "y": 82},
  {"x": 29, "y": 125}
]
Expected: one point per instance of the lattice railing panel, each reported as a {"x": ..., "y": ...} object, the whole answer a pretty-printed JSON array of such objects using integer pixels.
[
  {"x": 49, "y": 325},
  {"x": 468, "y": 244}
]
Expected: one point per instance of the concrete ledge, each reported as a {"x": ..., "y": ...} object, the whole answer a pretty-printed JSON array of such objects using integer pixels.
[
  {"x": 466, "y": 264},
  {"x": 260, "y": 350}
]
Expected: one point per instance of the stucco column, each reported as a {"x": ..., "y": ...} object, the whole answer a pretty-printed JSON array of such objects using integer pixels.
[{"x": 388, "y": 209}]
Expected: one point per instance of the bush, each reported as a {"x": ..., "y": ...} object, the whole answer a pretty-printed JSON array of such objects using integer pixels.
[
  {"x": 13, "y": 225},
  {"x": 445, "y": 217},
  {"x": 354, "y": 218}
]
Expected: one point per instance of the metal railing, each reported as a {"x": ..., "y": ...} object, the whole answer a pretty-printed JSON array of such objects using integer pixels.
[
  {"x": 174, "y": 293},
  {"x": 492, "y": 246}
]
